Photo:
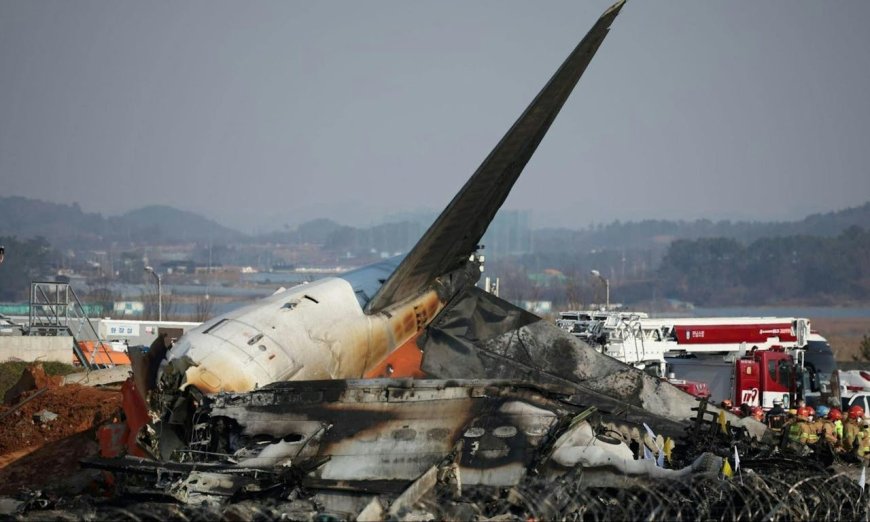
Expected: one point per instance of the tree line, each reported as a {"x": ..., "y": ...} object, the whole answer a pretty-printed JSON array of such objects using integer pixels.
[
  {"x": 25, "y": 260},
  {"x": 801, "y": 269}
]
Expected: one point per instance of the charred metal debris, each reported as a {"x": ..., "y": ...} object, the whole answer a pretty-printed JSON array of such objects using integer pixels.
[
  {"x": 451, "y": 449},
  {"x": 345, "y": 445},
  {"x": 376, "y": 436}
]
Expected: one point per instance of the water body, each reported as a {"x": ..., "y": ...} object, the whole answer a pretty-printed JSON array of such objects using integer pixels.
[
  {"x": 811, "y": 312},
  {"x": 283, "y": 278},
  {"x": 190, "y": 309},
  {"x": 814, "y": 312}
]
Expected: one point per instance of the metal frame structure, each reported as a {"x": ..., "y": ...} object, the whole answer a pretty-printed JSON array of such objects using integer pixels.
[{"x": 55, "y": 309}]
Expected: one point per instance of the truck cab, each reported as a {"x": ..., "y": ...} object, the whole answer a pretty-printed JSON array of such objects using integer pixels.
[{"x": 765, "y": 375}]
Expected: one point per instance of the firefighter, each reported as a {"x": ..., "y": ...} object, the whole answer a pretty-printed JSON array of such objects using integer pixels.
[
  {"x": 809, "y": 435},
  {"x": 798, "y": 431},
  {"x": 819, "y": 419},
  {"x": 758, "y": 414},
  {"x": 852, "y": 427},
  {"x": 727, "y": 405},
  {"x": 836, "y": 416},
  {"x": 827, "y": 430},
  {"x": 790, "y": 419},
  {"x": 862, "y": 442},
  {"x": 776, "y": 417}
]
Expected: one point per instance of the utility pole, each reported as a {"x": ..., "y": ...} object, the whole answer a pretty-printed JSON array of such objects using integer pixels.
[
  {"x": 159, "y": 293},
  {"x": 596, "y": 273}
]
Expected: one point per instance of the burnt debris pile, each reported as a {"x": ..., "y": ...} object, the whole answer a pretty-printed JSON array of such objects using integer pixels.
[{"x": 787, "y": 491}]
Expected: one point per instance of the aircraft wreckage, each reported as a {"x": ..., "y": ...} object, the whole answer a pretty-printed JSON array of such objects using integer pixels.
[{"x": 371, "y": 388}]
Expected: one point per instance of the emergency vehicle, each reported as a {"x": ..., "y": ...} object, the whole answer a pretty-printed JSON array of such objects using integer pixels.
[
  {"x": 749, "y": 360},
  {"x": 643, "y": 342}
]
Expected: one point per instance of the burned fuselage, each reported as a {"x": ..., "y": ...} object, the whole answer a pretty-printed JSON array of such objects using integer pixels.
[
  {"x": 377, "y": 436},
  {"x": 312, "y": 331},
  {"x": 382, "y": 431}
]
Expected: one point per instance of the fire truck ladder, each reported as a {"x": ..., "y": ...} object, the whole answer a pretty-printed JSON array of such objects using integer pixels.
[
  {"x": 55, "y": 309},
  {"x": 633, "y": 332}
]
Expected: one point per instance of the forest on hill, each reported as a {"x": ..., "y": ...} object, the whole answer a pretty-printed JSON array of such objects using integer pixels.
[{"x": 822, "y": 259}]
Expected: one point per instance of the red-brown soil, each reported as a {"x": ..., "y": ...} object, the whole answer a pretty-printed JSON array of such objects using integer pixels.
[
  {"x": 53, "y": 467},
  {"x": 38, "y": 455},
  {"x": 79, "y": 408}
]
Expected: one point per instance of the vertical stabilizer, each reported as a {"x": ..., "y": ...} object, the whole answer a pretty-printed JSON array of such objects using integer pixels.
[{"x": 459, "y": 228}]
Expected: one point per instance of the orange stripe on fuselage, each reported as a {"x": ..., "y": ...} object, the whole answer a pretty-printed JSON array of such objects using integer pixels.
[{"x": 405, "y": 362}]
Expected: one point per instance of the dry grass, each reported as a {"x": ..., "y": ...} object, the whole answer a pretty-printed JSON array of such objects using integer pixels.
[{"x": 844, "y": 335}]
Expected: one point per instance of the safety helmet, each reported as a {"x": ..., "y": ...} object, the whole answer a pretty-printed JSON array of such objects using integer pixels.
[
  {"x": 777, "y": 402},
  {"x": 810, "y": 411},
  {"x": 757, "y": 413},
  {"x": 792, "y": 412},
  {"x": 803, "y": 412},
  {"x": 835, "y": 414},
  {"x": 856, "y": 412},
  {"x": 823, "y": 411},
  {"x": 727, "y": 404}
]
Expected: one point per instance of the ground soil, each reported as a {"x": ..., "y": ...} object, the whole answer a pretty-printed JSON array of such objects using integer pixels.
[
  {"x": 39, "y": 455},
  {"x": 52, "y": 468},
  {"x": 79, "y": 408}
]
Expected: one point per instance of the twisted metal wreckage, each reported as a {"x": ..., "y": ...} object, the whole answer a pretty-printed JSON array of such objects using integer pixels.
[{"x": 395, "y": 381}]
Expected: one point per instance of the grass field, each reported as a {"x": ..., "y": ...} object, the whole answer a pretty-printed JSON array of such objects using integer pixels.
[{"x": 844, "y": 335}]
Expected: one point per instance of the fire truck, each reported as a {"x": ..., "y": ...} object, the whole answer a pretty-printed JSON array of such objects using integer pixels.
[
  {"x": 644, "y": 342},
  {"x": 750, "y": 360},
  {"x": 764, "y": 376}
]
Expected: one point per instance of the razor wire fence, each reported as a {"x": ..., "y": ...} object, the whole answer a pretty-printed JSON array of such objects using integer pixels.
[
  {"x": 750, "y": 497},
  {"x": 765, "y": 497}
]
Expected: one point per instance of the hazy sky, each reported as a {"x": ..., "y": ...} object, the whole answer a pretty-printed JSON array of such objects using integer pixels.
[{"x": 260, "y": 113}]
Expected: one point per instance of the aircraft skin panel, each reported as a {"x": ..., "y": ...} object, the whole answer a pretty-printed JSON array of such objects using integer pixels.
[
  {"x": 457, "y": 231},
  {"x": 312, "y": 331}
]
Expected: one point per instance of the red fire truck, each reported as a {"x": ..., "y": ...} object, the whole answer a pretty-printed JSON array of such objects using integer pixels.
[
  {"x": 765, "y": 375},
  {"x": 732, "y": 334},
  {"x": 749, "y": 360},
  {"x": 758, "y": 377}
]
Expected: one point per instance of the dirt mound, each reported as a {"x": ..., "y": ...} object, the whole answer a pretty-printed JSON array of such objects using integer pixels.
[
  {"x": 32, "y": 378},
  {"x": 78, "y": 409},
  {"x": 53, "y": 468}
]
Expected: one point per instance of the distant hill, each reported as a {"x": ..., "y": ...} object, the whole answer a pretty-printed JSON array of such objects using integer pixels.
[
  {"x": 332, "y": 236},
  {"x": 659, "y": 233},
  {"x": 160, "y": 223},
  {"x": 66, "y": 226},
  {"x": 832, "y": 223}
]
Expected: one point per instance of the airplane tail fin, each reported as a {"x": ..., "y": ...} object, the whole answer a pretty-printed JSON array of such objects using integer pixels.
[{"x": 457, "y": 231}]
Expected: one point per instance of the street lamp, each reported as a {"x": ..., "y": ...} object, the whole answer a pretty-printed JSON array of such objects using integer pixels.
[
  {"x": 596, "y": 273},
  {"x": 159, "y": 293}
]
